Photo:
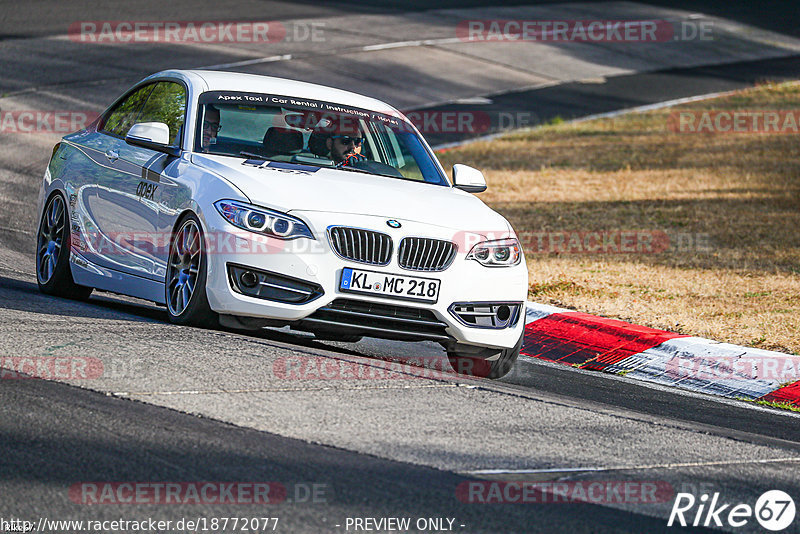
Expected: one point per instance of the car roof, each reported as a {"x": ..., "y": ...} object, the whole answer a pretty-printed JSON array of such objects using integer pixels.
[{"x": 215, "y": 80}]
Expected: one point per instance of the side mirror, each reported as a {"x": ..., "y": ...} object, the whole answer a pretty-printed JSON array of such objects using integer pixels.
[
  {"x": 152, "y": 135},
  {"x": 468, "y": 179}
]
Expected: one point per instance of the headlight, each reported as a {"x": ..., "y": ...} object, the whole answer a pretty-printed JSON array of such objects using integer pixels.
[
  {"x": 499, "y": 253},
  {"x": 262, "y": 220}
]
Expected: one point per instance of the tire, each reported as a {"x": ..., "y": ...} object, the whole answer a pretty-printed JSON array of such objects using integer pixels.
[
  {"x": 185, "y": 283},
  {"x": 53, "y": 273},
  {"x": 481, "y": 367}
]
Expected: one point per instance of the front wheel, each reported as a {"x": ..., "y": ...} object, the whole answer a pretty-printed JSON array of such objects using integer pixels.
[
  {"x": 52, "y": 253},
  {"x": 497, "y": 366},
  {"x": 187, "y": 303}
]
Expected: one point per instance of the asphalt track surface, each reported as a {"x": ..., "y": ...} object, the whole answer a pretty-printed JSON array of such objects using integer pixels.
[
  {"x": 180, "y": 404},
  {"x": 576, "y": 99}
]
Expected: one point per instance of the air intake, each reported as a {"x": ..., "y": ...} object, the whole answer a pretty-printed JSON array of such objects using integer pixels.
[
  {"x": 495, "y": 315},
  {"x": 346, "y": 316},
  {"x": 272, "y": 286}
]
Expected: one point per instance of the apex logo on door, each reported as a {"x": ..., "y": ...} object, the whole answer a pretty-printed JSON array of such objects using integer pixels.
[{"x": 145, "y": 190}]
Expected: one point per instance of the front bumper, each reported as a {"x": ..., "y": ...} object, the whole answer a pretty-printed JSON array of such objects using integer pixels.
[{"x": 316, "y": 263}]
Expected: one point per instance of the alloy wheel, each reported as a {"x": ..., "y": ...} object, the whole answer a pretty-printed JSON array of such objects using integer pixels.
[
  {"x": 184, "y": 266},
  {"x": 51, "y": 239}
]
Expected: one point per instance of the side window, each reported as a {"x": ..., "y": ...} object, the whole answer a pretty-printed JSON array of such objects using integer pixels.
[
  {"x": 167, "y": 104},
  {"x": 123, "y": 116}
]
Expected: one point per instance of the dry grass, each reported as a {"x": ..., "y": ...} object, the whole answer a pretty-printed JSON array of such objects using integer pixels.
[
  {"x": 729, "y": 204},
  {"x": 781, "y": 405}
]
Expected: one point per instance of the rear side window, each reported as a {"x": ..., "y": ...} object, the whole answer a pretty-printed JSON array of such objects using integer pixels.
[
  {"x": 123, "y": 116},
  {"x": 167, "y": 104}
]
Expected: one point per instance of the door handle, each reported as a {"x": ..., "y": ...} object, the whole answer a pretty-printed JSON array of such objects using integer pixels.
[{"x": 112, "y": 155}]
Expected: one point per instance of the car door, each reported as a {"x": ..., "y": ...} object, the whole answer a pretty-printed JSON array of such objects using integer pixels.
[
  {"x": 107, "y": 208},
  {"x": 123, "y": 205},
  {"x": 165, "y": 104}
]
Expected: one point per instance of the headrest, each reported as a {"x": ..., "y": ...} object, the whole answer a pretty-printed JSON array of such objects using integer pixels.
[{"x": 283, "y": 140}]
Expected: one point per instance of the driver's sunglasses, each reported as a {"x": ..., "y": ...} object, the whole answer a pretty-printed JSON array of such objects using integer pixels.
[
  {"x": 212, "y": 126},
  {"x": 346, "y": 139}
]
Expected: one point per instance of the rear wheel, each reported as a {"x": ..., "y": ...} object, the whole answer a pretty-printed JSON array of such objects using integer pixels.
[
  {"x": 497, "y": 367},
  {"x": 187, "y": 303},
  {"x": 52, "y": 253}
]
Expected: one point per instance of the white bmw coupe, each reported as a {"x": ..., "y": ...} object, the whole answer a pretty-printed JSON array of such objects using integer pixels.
[{"x": 251, "y": 201}]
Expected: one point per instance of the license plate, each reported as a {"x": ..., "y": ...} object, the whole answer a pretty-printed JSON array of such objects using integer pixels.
[{"x": 390, "y": 285}]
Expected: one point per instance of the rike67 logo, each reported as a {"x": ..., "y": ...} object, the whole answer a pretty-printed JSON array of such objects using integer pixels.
[{"x": 774, "y": 510}]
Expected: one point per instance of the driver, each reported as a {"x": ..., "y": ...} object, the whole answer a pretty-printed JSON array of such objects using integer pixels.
[
  {"x": 338, "y": 138},
  {"x": 345, "y": 149}
]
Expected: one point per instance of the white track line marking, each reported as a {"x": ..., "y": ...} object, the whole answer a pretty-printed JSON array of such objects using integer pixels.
[
  {"x": 9, "y": 269},
  {"x": 365, "y": 48},
  {"x": 403, "y": 44},
  {"x": 18, "y": 230},
  {"x": 495, "y": 472},
  {"x": 268, "y": 59},
  {"x": 274, "y": 390}
]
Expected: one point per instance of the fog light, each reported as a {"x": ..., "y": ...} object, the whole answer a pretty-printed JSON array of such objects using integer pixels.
[
  {"x": 271, "y": 286},
  {"x": 249, "y": 279},
  {"x": 503, "y": 312},
  {"x": 487, "y": 314}
]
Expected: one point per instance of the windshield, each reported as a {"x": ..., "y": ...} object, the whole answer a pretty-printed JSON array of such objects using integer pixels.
[{"x": 312, "y": 132}]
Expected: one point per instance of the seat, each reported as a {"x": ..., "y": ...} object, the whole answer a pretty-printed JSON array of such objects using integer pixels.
[
  {"x": 283, "y": 141},
  {"x": 317, "y": 144}
]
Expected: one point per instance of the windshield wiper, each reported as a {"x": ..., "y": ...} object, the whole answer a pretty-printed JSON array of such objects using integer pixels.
[
  {"x": 362, "y": 171},
  {"x": 251, "y": 155},
  {"x": 351, "y": 169}
]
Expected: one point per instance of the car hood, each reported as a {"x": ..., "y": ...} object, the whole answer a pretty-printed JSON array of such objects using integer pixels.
[{"x": 337, "y": 191}]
